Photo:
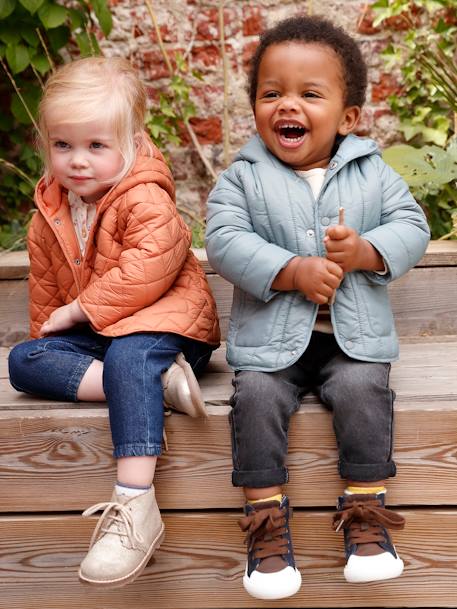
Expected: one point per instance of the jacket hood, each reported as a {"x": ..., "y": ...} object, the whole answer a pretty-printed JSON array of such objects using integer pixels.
[
  {"x": 49, "y": 197},
  {"x": 349, "y": 149}
]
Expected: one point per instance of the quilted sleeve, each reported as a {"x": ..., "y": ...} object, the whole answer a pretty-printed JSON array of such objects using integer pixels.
[
  {"x": 155, "y": 244},
  {"x": 235, "y": 250},
  {"x": 403, "y": 234},
  {"x": 44, "y": 294}
]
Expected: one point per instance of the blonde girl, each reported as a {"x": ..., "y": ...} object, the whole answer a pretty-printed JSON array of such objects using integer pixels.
[{"x": 116, "y": 296}]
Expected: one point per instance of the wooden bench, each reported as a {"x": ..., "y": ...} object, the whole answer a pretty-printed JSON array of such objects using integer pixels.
[{"x": 55, "y": 460}]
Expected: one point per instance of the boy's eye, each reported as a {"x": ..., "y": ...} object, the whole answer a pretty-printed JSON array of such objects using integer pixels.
[
  {"x": 310, "y": 94},
  {"x": 270, "y": 94}
]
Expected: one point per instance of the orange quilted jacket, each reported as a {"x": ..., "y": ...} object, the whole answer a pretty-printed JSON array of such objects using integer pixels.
[{"x": 138, "y": 273}]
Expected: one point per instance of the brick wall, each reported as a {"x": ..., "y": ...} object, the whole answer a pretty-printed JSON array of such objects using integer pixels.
[{"x": 192, "y": 28}]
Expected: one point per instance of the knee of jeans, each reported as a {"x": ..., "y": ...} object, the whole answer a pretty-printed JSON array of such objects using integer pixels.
[{"x": 17, "y": 362}]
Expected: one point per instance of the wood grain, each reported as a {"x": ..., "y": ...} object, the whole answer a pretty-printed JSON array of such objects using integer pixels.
[
  {"x": 424, "y": 301},
  {"x": 201, "y": 562},
  {"x": 66, "y": 448}
]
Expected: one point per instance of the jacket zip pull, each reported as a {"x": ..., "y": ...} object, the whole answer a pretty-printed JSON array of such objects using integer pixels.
[{"x": 341, "y": 222}]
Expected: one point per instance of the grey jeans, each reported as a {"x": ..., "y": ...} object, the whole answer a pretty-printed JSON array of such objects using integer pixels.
[{"x": 356, "y": 392}]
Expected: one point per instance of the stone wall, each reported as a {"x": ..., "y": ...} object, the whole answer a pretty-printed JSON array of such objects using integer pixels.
[{"x": 191, "y": 27}]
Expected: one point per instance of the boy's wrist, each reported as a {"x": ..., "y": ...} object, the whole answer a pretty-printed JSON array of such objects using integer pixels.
[
  {"x": 285, "y": 280},
  {"x": 368, "y": 258}
]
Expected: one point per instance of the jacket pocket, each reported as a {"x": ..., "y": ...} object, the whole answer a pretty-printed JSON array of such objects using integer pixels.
[
  {"x": 252, "y": 321},
  {"x": 376, "y": 305}
]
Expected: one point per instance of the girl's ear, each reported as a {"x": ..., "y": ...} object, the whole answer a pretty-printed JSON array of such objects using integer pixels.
[{"x": 349, "y": 120}]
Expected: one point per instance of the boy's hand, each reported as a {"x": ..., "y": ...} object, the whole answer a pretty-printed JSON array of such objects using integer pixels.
[
  {"x": 315, "y": 277},
  {"x": 351, "y": 252},
  {"x": 63, "y": 318}
]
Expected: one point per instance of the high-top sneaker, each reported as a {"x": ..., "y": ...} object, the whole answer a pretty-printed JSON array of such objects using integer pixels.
[
  {"x": 125, "y": 537},
  {"x": 270, "y": 570},
  {"x": 370, "y": 553}
]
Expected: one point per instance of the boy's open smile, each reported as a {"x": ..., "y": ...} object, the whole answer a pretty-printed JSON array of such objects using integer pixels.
[
  {"x": 300, "y": 103},
  {"x": 291, "y": 133}
]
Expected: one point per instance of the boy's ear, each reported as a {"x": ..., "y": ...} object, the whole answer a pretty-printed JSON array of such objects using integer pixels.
[{"x": 351, "y": 116}]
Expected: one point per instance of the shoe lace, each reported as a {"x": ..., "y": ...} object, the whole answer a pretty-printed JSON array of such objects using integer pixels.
[
  {"x": 114, "y": 512},
  {"x": 365, "y": 520},
  {"x": 265, "y": 532}
]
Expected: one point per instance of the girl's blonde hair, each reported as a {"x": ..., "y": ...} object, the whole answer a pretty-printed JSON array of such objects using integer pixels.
[{"x": 92, "y": 89}]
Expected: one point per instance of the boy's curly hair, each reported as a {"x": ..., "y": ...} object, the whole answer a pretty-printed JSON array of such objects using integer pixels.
[{"x": 316, "y": 30}]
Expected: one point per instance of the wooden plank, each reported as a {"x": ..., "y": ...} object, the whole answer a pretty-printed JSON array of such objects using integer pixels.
[
  {"x": 424, "y": 302},
  {"x": 440, "y": 253},
  {"x": 62, "y": 460},
  {"x": 15, "y": 265},
  {"x": 66, "y": 449},
  {"x": 201, "y": 563}
]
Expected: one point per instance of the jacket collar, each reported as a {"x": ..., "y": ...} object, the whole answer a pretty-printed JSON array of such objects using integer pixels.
[{"x": 350, "y": 148}]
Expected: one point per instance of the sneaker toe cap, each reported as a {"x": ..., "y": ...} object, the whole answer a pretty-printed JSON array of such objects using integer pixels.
[
  {"x": 372, "y": 568},
  {"x": 271, "y": 586}
]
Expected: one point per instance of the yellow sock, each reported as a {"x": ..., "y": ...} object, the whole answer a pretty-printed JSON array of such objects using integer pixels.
[
  {"x": 274, "y": 498},
  {"x": 364, "y": 490}
]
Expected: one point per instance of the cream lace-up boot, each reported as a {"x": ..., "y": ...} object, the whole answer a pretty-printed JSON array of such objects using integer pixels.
[{"x": 125, "y": 537}]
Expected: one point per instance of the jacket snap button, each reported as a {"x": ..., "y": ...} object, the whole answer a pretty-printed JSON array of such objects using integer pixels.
[
  {"x": 310, "y": 232},
  {"x": 349, "y": 344},
  {"x": 333, "y": 164},
  {"x": 57, "y": 221},
  {"x": 293, "y": 353},
  {"x": 77, "y": 261},
  {"x": 325, "y": 221}
]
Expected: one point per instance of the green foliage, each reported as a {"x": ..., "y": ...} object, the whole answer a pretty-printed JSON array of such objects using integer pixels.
[
  {"x": 32, "y": 35},
  {"x": 165, "y": 121},
  {"x": 424, "y": 53}
]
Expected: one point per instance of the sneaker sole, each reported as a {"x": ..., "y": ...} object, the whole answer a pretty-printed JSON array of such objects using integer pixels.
[{"x": 122, "y": 581}]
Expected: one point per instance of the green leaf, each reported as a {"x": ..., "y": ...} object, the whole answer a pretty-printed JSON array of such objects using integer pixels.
[
  {"x": 31, "y": 98},
  {"x": 436, "y": 136},
  {"x": 103, "y": 15},
  {"x": 419, "y": 166},
  {"x": 18, "y": 58},
  {"x": 9, "y": 36},
  {"x": 31, "y": 5},
  {"x": 58, "y": 37},
  {"x": 77, "y": 19},
  {"x": 87, "y": 46},
  {"x": 29, "y": 35},
  {"x": 52, "y": 15},
  {"x": 41, "y": 63},
  {"x": 6, "y": 8}
]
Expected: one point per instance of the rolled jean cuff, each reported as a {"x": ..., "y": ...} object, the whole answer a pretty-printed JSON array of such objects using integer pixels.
[
  {"x": 366, "y": 472},
  {"x": 74, "y": 381},
  {"x": 260, "y": 478},
  {"x": 137, "y": 450}
]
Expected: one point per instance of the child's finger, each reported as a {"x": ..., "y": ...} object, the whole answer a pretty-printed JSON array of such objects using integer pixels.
[{"x": 337, "y": 232}]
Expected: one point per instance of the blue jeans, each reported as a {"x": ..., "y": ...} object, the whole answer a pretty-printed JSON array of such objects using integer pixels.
[
  {"x": 53, "y": 368},
  {"x": 356, "y": 392}
]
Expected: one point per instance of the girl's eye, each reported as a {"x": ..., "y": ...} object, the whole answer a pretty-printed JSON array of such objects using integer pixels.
[
  {"x": 61, "y": 145},
  {"x": 96, "y": 145}
]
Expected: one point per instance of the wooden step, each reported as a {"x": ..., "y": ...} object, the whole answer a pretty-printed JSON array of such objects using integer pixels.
[
  {"x": 66, "y": 448},
  {"x": 424, "y": 301},
  {"x": 202, "y": 560}
]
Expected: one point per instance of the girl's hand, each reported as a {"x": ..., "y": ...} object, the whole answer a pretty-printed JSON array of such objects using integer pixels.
[
  {"x": 350, "y": 251},
  {"x": 63, "y": 318}
]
